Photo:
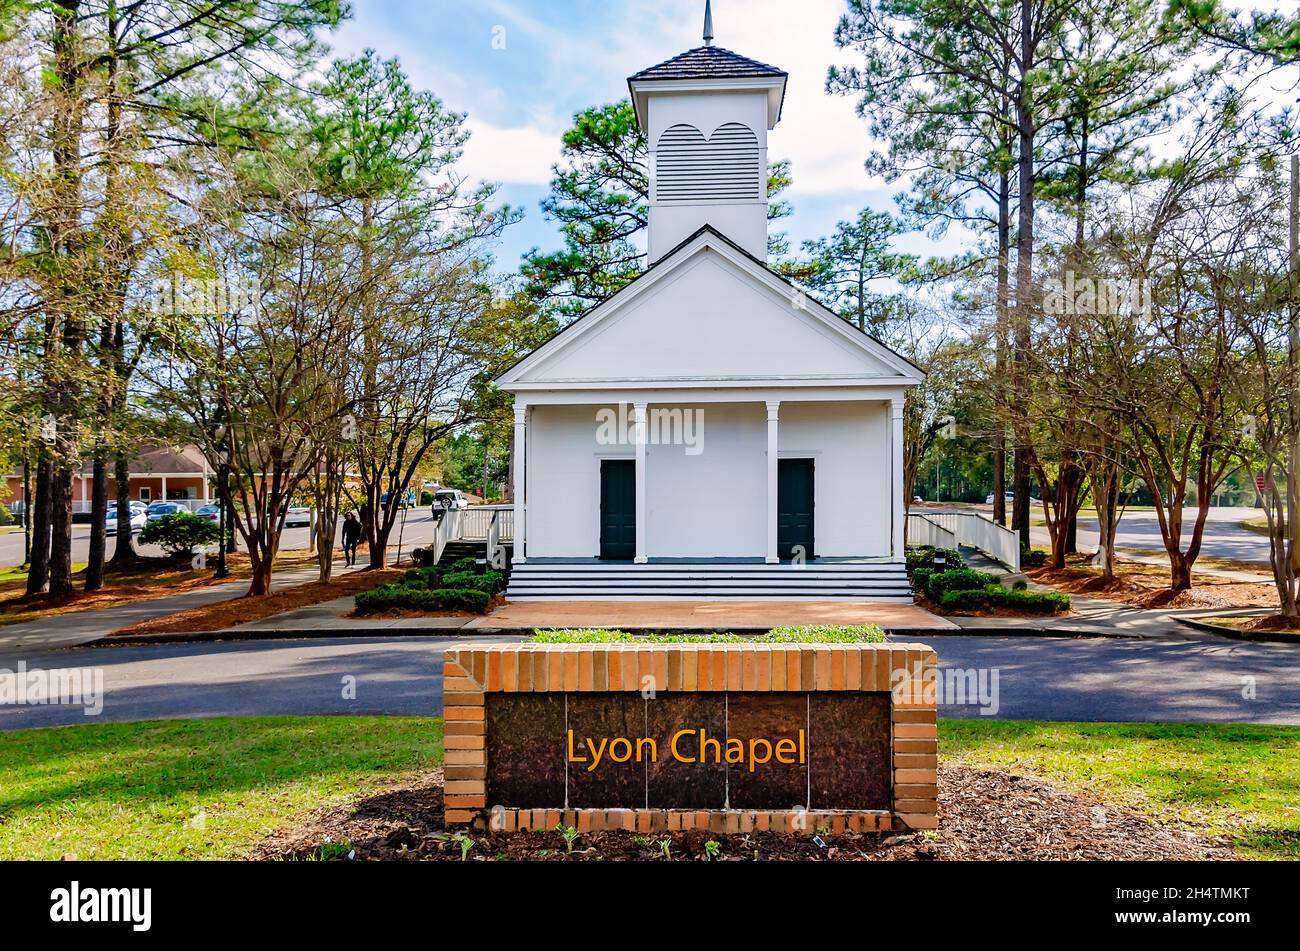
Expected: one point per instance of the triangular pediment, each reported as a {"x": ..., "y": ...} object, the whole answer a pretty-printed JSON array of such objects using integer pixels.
[{"x": 708, "y": 312}]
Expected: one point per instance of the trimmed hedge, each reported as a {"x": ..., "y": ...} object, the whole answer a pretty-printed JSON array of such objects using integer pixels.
[
  {"x": 492, "y": 582},
  {"x": 809, "y": 634},
  {"x": 996, "y": 596},
  {"x": 923, "y": 557},
  {"x": 1032, "y": 558},
  {"x": 962, "y": 579},
  {"x": 413, "y": 598}
]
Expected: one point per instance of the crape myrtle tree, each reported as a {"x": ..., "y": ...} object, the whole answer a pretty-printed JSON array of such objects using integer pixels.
[
  {"x": 257, "y": 378},
  {"x": 598, "y": 197}
]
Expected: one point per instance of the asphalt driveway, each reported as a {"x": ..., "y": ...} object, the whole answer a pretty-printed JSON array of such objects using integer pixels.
[{"x": 1098, "y": 679}]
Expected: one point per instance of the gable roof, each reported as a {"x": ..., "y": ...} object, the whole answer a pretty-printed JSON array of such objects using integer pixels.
[
  {"x": 907, "y": 371},
  {"x": 707, "y": 62}
]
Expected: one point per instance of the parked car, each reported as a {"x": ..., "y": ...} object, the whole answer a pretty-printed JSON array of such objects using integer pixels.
[
  {"x": 405, "y": 502},
  {"x": 1011, "y": 499},
  {"x": 297, "y": 515},
  {"x": 211, "y": 512},
  {"x": 162, "y": 509},
  {"x": 138, "y": 518},
  {"x": 449, "y": 499}
]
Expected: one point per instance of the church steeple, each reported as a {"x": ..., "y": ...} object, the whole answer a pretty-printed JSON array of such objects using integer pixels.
[{"x": 706, "y": 114}]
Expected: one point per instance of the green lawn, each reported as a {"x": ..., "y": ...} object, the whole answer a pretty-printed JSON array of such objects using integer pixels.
[
  {"x": 1242, "y": 782},
  {"x": 192, "y": 788},
  {"x": 134, "y": 790}
]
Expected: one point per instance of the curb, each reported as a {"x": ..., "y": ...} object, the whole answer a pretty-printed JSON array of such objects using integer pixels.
[{"x": 1269, "y": 637}]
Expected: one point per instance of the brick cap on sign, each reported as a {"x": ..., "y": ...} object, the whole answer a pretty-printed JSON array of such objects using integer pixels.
[{"x": 748, "y": 666}]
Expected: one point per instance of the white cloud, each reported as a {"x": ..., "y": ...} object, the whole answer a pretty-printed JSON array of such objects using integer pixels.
[{"x": 515, "y": 156}]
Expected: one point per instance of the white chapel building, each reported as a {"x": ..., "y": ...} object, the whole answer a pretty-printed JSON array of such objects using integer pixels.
[{"x": 709, "y": 431}]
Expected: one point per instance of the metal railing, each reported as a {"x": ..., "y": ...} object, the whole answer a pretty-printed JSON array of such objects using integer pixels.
[
  {"x": 491, "y": 524},
  {"x": 970, "y": 529},
  {"x": 923, "y": 530}
]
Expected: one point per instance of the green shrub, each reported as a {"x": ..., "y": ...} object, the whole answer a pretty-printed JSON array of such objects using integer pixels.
[
  {"x": 996, "y": 596},
  {"x": 490, "y": 581},
  {"x": 468, "y": 563},
  {"x": 923, "y": 557},
  {"x": 180, "y": 533},
  {"x": 428, "y": 577},
  {"x": 828, "y": 634},
  {"x": 6, "y": 517},
  {"x": 962, "y": 579},
  {"x": 462, "y": 599},
  {"x": 413, "y": 598},
  {"x": 422, "y": 557},
  {"x": 1032, "y": 557},
  {"x": 920, "y": 577},
  {"x": 810, "y": 634}
]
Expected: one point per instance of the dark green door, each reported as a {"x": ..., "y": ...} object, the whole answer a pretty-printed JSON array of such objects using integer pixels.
[
  {"x": 618, "y": 509},
  {"x": 794, "y": 507}
]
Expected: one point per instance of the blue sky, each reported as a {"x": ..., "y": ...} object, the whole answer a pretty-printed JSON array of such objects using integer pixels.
[{"x": 562, "y": 55}]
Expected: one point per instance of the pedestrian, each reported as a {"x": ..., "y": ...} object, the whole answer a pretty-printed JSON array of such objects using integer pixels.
[{"x": 351, "y": 537}]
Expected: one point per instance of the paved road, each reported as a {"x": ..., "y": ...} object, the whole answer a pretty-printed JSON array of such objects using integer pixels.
[
  {"x": 1038, "y": 678},
  {"x": 419, "y": 529}
]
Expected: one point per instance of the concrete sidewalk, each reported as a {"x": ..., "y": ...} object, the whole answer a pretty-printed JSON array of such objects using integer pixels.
[{"x": 79, "y": 627}]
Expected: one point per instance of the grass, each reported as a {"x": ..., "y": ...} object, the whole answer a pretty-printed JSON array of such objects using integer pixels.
[
  {"x": 192, "y": 788},
  {"x": 1241, "y": 783},
  {"x": 188, "y": 789}
]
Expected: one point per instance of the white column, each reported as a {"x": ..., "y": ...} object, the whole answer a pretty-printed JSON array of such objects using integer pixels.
[
  {"x": 639, "y": 420},
  {"x": 773, "y": 445},
  {"x": 520, "y": 487},
  {"x": 898, "y": 515},
  {"x": 164, "y": 488},
  {"x": 207, "y": 488}
]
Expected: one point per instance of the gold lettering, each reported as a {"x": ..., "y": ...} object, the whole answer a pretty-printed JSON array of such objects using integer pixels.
[
  {"x": 574, "y": 757},
  {"x": 626, "y": 748},
  {"x": 642, "y": 744},
  {"x": 704, "y": 743},
  {"x": 785, "y": 751},
  {"x": 597, "y": 752},
  {"x": 677, "y": 755},
  {"x": 754, "y": 745},
  {"x": 735, "y": 752}
]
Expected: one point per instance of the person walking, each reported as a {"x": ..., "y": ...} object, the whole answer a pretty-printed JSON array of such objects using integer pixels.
[{"x": 351, "y": 537}]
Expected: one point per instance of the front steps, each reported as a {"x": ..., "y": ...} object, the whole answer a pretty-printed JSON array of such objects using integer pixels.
[{"x": 876, "y": 581}]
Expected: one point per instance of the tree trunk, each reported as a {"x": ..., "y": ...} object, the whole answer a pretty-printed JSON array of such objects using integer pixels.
[
  {"x": 260, "y": 586},
  {"x": 61, "y": 531},
  {"x": 1026, "y": 134},
  {"x": 38, "y": 571},
  {"x": 1000, "y": 343},
  {"x": 98, "y": 524},
  {"x": 124, "y": 552}
]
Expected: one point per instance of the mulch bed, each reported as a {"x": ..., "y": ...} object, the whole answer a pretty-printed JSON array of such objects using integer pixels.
[
  {"x": 1147, "y": 586},
  {"x": 242, "y": 610},
  {"x": 982, "y": 815}
]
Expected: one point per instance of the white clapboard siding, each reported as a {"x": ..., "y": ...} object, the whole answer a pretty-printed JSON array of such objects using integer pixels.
[{"x": 692, "y": 169}]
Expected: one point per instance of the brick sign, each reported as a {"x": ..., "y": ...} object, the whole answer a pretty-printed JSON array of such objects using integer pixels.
[{"x": 659, "y": 737}]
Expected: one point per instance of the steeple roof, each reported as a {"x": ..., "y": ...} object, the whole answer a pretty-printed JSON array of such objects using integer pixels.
[{"x": 708, "y": 62}]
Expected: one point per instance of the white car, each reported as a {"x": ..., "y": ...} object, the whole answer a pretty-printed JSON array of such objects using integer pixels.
[
  {"x": 1011, "y": 499},
  {"x": 138, "y": 517},
  {"x": 162, "y": 509},
  {"x": 450, "y": 499},
  {"x": 297, "y": 515}
]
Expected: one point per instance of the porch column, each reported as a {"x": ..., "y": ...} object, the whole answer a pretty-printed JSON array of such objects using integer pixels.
[
  {"x": 898, "y": 512},
  {"x": 773, "y": 445},
  {"x": 164, "y": 488},
  {"x": 207, "y": 489},
  {"x": 519, "y": 487},
  {"x": 639, "y": 419}
]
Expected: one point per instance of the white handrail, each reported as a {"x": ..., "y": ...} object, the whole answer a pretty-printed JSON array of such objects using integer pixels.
[
  {"x": 923, "y": 530},
  {"x": 979, "y": 532}
]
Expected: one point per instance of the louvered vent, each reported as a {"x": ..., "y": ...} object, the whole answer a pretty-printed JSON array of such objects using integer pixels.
[{"x": 692, "y": 169}]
